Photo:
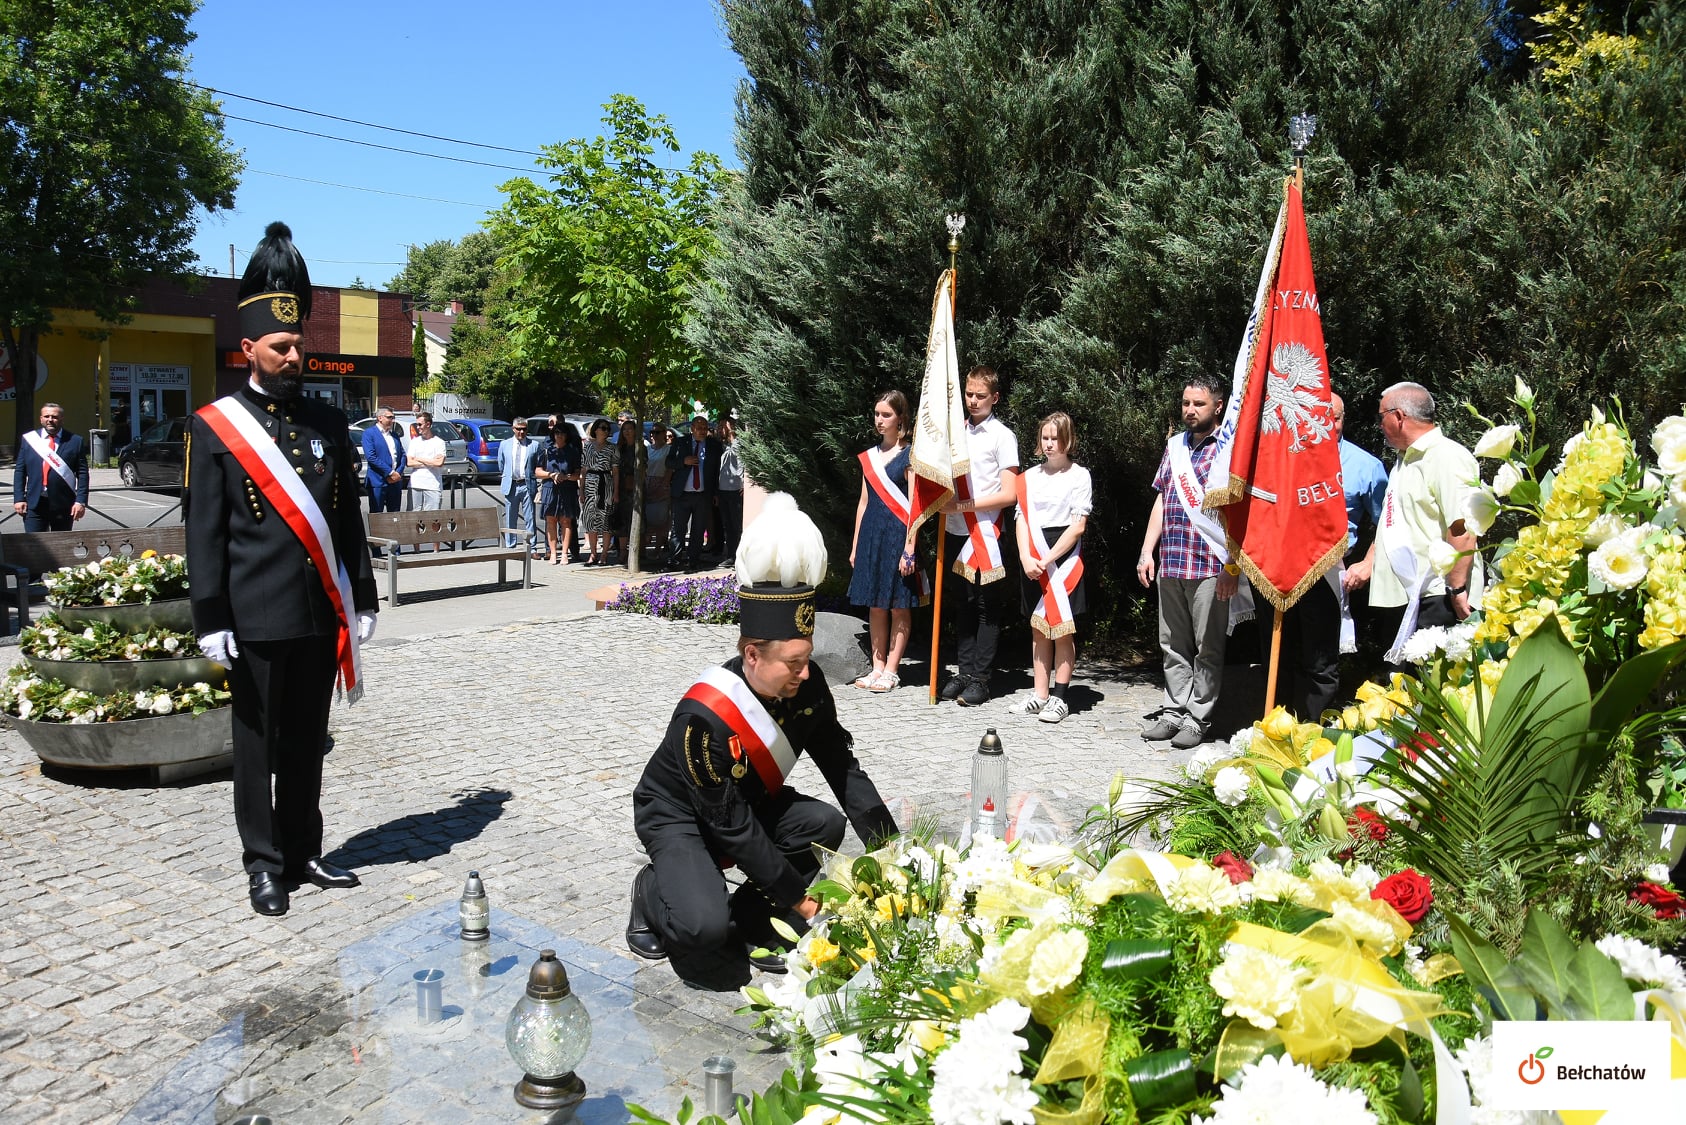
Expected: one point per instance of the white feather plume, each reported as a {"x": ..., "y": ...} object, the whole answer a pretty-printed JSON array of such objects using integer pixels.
[{"x": 781, "y": 545}]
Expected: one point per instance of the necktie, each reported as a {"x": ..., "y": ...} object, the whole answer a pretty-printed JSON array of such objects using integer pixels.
[
  {"x": 696, "y": 471},
  {"x": 46, "y": 470}
]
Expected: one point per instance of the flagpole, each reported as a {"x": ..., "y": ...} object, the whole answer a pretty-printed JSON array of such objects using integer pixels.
[
  {"x": 955, "y": 224},
  {"x": 1301, "y": 128}
]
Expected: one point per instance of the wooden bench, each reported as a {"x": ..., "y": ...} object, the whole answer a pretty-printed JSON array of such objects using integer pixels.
[
  {"x": 30, "y": 553},
  {"x": 396, "y": 530}
]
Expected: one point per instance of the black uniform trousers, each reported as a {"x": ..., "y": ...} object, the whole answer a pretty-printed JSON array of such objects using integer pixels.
[
  {"x": 282, "y": 694},
  {"x": 977, "y": 618},
  {"x": 688, "y": 904},
  {"x": 1433, "y": 609},
  {"x": 1310, "y": 670}
]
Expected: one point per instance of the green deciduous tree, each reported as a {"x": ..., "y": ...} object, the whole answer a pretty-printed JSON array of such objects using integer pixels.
[
  {"x": 106, "y": 156},
  {"x": 607, "y": 256},
  {"x": 423, "y": 267},
  {"x": 439, "y": 272}
]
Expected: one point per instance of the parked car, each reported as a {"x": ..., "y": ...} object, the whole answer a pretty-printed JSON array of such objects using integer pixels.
[
  {"x": 457, "y": 465},
  {"x": 157, "y": 457},
  {"x": 483, "y": 436},
  {"x": 538, "y": 427}
]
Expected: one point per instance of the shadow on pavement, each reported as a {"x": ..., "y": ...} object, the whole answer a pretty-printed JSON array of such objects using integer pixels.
[
  {"x": 717, "y": 971},
  {"x": 426, "y": 835}
]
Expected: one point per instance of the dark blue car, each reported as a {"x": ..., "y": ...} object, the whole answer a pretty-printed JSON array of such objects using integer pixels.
[{"x": 483, "y": 436}]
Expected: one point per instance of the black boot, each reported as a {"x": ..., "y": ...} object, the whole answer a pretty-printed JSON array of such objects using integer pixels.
[{"x": 640, "y": 937}]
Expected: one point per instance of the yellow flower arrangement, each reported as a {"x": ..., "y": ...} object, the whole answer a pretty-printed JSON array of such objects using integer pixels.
[{"x": 1593, "y": 556}]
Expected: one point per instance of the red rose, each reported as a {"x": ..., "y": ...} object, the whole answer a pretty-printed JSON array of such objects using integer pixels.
[
  {"x": 1238, "y": 869},
  {"x": 1366, "y": 823},
  {"x": 1665, "y": 902},
  {"x": 1407, "y": 892}
]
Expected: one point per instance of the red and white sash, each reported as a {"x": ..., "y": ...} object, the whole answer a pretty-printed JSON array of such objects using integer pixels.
[
  {"x": 755, "y": 734},
  {"x": 1052, "y": 616},
  {"x": 263, "y": 462},
  {"x": 1190, "y": 492},
  {"x": 47, "y": 453},
  {"x": 877, "y": 477},
  {"x": 983, "y": 540}
]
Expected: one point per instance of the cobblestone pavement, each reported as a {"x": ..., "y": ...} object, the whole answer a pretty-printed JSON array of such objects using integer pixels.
[{"x": 135, "y": 979}]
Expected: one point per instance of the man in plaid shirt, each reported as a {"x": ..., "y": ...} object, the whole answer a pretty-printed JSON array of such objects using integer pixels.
[{"x": 1195, "y": 581}]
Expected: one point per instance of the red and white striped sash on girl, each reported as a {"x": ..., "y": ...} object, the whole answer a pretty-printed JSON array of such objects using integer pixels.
[
  {"x": 983, "y": 540},
  {"x": 1053, "y": 616},
  {"x": 877, "y": 477},
  {"x": 756, "y": 734},
  {"x": 263, "y": 462}
]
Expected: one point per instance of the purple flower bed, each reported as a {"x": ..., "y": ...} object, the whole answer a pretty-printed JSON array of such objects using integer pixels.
[{"x": 707, "y": 601}]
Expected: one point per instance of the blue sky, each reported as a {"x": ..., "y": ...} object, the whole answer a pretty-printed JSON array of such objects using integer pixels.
[{"x": 514, "y": 73}]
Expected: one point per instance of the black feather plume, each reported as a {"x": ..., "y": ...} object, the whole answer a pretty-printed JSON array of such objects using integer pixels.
[{"x": 277, "y": 266}]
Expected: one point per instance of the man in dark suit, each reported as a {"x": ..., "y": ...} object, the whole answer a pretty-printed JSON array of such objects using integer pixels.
[
  {"x": 282, "y": 589},
  {"x": 50, "y": 483},
  {"x": 383, "y": 463},
  {"x": 695, "y": 483}
]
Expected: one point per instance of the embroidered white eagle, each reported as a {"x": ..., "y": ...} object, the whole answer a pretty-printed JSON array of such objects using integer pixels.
[{"x": 1292, "y": 402}]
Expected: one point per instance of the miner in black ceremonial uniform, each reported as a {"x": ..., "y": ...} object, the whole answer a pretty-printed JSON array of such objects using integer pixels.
[
  {"x": 279, "y": 575},
  {"x": 715, "y": 794}
]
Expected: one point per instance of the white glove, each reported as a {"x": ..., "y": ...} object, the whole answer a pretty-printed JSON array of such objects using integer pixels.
[
  {"x": 365, "y": 626},
  {"x": 220, "y": 646}
]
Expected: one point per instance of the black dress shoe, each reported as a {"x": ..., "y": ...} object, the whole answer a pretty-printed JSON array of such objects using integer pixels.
[
  {"x": 951, "y": 690},
  {"x": 640, "y": 937},
  {"x": 327, "y": 876},
  {"x": 268, "y": 895},
  {"x": 975, "y": 695},
  {"x": 767, "y": 960}
]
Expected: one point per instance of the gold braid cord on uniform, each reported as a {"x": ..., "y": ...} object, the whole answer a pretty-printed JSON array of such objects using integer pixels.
[{"x": 699, "y": 763}]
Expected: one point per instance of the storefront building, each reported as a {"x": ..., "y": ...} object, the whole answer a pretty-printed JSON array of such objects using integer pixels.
[{"x": 181, "y": 349}]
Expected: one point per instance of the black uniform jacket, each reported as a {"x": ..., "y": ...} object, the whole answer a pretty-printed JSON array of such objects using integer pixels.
[
  {"x": 247, "y": 570},
  {"x": 689, "y": 781}
]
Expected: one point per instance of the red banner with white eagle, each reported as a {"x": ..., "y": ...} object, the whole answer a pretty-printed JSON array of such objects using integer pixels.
[{"x": 1277, "y": 478}]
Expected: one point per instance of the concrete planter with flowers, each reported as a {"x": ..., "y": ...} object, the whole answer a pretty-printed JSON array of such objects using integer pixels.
[{"x": 113, "y": 678}]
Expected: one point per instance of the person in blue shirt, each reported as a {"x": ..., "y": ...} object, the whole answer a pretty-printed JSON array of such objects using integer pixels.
[
  {"x": 1311, "y": 630},
  {"x": 1364, "y": 479}
]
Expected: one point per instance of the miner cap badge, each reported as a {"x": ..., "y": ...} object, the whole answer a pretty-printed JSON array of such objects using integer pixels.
[{"x": 274, "y": 293}]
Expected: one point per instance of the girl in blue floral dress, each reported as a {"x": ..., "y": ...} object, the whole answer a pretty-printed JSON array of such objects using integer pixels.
[{"x": 886, "y": 578}]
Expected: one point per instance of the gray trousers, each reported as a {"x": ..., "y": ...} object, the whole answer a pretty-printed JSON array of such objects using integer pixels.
[{"x": 1193, "y": 625}]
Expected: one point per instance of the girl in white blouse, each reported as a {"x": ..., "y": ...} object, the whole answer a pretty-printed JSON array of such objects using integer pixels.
[{"x": 1055, "y": 498}]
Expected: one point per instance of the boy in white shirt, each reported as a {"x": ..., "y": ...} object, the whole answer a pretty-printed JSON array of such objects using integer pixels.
[
  {"x": 427, "y": 457},
  {"x": 973, "y": 528}
]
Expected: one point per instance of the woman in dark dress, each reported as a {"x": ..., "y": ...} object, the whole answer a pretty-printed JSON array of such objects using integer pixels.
[
  {"x": 629, "y": 443},
  {"x": 597, "y": 492},
  {"x": 886, "y": 577},
  {"x": 558, "y": 466}
]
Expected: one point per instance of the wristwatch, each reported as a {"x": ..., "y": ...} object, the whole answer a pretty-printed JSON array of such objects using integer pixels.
[
  {"x": 1456, "y": 590},
  {"x": 1231, "y": 569}
]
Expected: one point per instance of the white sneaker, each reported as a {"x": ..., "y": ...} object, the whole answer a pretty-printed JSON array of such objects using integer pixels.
[
  {"x": 1053, "y": 711},
  {"x": 1029, "y": 705}
]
